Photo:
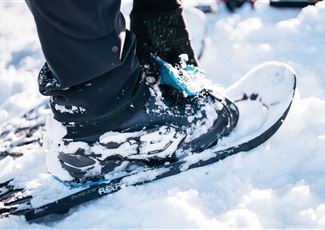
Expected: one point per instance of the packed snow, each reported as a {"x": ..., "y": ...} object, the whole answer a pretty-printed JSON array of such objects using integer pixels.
[{"x": 279, "y": 185}]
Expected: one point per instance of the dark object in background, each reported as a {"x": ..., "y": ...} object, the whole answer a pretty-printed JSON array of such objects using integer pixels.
[
  {"x": 232, "y": 5},
  {"x": 293, "y": 3},
  {"x": 208, "y": 7}
]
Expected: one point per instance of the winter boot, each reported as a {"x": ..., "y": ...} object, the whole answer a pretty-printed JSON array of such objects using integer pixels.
[
  {"x": 156, "y": 128},
  {"x": 156, "y": 133}
]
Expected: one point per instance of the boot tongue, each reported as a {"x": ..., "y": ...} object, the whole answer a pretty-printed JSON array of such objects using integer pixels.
[{"x": 188, "y": 79}]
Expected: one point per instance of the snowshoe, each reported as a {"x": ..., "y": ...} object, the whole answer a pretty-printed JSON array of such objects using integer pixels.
[{"x": 262, "y": 112}]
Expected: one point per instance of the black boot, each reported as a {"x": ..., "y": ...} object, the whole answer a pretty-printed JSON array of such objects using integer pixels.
[
  {"x": 163, "y": 34},
  {"x": 151, "y": 136},
  {"x": 149, "y": 130}
]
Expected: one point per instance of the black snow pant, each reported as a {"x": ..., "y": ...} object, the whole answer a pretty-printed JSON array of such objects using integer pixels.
[{"x": 92, "y": 72}]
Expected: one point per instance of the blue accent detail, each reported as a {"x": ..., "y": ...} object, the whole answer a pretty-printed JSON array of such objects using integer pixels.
[
  {"x": 76, "y": 186},
  {"x": 194, "y": 69},
  {"x": 168, "y": 76}
]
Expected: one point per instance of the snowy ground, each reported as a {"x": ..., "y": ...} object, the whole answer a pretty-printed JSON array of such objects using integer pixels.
[{"x": 279, "y": 185}]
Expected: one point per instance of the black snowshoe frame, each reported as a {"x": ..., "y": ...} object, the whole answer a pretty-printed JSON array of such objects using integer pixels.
[{"x": 16, "y": 201}]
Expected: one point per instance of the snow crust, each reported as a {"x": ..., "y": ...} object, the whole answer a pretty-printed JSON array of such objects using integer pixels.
[{"x": 279, "y": 185}]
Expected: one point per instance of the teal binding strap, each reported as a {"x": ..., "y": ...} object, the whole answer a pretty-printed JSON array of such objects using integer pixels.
[{"x": 187, "y": 79}]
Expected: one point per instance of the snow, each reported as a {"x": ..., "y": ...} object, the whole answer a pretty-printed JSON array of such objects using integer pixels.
[
  {"x": 278, "y": 185},
  {"x": 20, "y": 60},
  {"x": 52, "y": 139},
  {"x": 72, "y": 110}
]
